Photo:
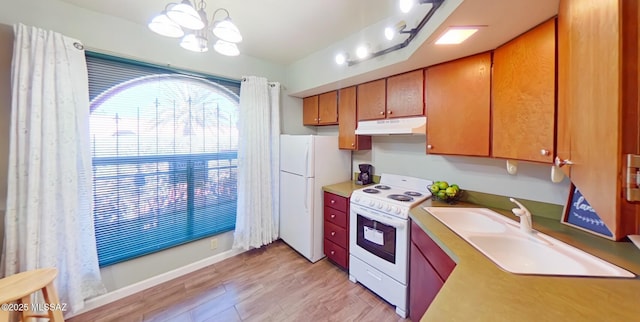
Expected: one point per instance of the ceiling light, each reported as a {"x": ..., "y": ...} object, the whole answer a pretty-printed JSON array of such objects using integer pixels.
[
  {"x": 184, "y": 19},
  {"x": 406, "y": 5},
  {"x": 456, "y": 35},
  {"x": 362, "y": 51},
  {"x": 163, "y": 25},
  {"x": 185, "y": 15},
  {"x": 195, "y": 42},
  {"x": 225, "y": 29},
  {"x": 226, "y": 48},
  {"x": 391, "y": 32},
  {"x": 341, "y": 58}
]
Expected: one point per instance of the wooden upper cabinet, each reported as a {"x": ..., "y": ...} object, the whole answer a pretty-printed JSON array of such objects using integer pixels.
[
  {"x": 523, "y": 116},
  {"x": 328, "y": 108},
  {"x": 310, "y": 110},
  {"x": 405, "y": 94},
  {"x": 598, "y": 118},
  {"x": 320, "y": 109},
  {"x": 458, "y": 115},
  {"x": 371, "y": 100},
  {"x": 347, "y": 139}
]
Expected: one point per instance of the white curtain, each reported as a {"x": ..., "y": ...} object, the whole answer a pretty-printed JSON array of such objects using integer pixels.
[
  {"x": 258, "y": 209},
  {"x": 49, "y": 221}
]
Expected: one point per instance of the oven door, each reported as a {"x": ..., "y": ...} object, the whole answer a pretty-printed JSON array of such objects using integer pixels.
[{"x": 380, "y": 240}]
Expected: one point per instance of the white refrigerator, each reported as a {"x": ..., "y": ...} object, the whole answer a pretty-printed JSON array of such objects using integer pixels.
[{"x": 308, "y": 162}]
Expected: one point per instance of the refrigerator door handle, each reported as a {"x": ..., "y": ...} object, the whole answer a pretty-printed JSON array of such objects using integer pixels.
[
  {"x": 306, "y": 161},
  {"x": 306, "y": 197}
]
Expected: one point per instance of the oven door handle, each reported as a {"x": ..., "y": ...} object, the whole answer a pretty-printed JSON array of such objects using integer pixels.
[{"x": 398, "y": 224}]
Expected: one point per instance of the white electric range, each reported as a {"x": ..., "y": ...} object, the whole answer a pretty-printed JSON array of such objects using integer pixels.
[{"x": 379, "y": 235}]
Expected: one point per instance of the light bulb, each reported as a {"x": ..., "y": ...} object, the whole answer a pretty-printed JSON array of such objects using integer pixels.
[
  {"x": 341, "y": 58},
  {"x": 406, "y": 5},
  {"x": 389, "y": 33},
  {"x": 226, "y": 48},
  {"x": 362, "y": 52}
]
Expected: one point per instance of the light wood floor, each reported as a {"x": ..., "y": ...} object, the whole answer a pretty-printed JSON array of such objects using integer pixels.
[{"x": 273, "y": 283}]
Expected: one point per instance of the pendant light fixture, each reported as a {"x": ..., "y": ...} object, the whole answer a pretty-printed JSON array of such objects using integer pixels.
[{"x": 186, "y": 21}]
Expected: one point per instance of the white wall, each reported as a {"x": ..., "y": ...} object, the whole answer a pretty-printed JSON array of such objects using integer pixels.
[{"x": 406, "y": 155}]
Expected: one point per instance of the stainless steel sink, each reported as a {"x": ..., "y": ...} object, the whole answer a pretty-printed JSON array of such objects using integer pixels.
[{"x": 501, "y": 240}]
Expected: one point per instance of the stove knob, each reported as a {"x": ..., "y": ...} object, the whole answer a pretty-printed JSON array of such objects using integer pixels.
[
  {"x": 397, "y": 210},
  {"x": 371, "y": 202},
  {"x": 356, "y": 198},
  {"x": 379, "y": 204},
  {"x": 388, "y": 208}
]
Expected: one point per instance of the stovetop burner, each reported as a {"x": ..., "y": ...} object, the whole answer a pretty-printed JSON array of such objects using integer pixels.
[
  {"x": 400, "y": 197},
  {"x": 412, "y": 193},
  {"x": 369, "y": 190},
  {"x": 382, "y": 187}
]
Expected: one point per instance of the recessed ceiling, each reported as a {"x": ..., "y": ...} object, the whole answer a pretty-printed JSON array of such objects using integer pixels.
[{"x": 284, "y": 31}]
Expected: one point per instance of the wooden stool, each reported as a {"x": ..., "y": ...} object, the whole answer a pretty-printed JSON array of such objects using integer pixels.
[{"x": 16, "y": 290}]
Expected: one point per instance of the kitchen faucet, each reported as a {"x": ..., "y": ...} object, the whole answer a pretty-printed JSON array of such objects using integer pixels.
[{"x": 524, "y": 214}]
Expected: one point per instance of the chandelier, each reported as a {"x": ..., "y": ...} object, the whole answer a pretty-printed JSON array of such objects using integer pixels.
[{"x": 183, "y": 20}]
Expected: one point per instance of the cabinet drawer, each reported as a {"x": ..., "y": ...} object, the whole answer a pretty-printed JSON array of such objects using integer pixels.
[
  {"x": 442, "y": 263},
  {"x": 336, "y": 217},
  {"x": 336, "y": 234},
  {"x": 336, "y": 253},
  {"x": 336, "y": 202}
]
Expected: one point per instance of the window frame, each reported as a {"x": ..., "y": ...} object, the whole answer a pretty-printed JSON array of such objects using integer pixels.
[{"x": 233, "y": 88}]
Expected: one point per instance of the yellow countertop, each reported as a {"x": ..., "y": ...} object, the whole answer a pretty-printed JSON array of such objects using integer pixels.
[
  {"x": 343, "y": 189},
  {"x": 478, "y": 290}
]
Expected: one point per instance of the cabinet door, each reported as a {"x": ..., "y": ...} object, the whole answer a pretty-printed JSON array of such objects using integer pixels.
[
  {"x": 598, "y": 113},
  {"x": 310, "y": 110},
  {"x": 372, "y": 100},
  {"x": 523, "y": 116},
  {"x": 347, "y": 138},
  {"x": 424, "y": 284},
  {"x": 458, "y": 106},
  {"x": 328, "y": 108},
  {"x": 405, "y": 94}
]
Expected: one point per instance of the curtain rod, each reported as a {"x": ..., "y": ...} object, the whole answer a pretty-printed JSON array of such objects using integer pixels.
[{"x": 244, "y": 79}]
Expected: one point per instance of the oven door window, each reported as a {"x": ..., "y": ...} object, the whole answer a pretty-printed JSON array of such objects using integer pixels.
[{"x": 377, "y": 238}]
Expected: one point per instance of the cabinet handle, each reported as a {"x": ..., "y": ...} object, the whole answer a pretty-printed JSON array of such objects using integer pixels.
[
  {"x": 315, "y": 119},
  {"x": 333, "y": 252},
  {"x": 544, "y": 152},
  {"x": 333, "y": 233},
  {"x": 390, "y": 112},
  {"x": 318, "y": 119},
  {"x": 559, "y": 162},
  {"x": 332, "y": 201},
  {"x": 382, "y": 113},
  {"x": 429, "y": 146},
  {"x": 333, "y": 216},
  {"x": 353, "y": 144}
]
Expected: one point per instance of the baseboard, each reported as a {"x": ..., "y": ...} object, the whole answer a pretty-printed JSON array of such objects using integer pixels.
[{"x": 98, "y": 301}]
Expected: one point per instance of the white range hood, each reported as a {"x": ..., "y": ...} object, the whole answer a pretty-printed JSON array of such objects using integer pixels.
[{"x": 406, "y": 126}]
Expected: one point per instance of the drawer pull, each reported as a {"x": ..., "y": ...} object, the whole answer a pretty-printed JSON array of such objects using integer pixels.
[
  {"x": 333, "y": 233},
  {"x": 333, "y": 216},
  {"x": 333, "y": 201},
  {"x": 333, "y": 252}
]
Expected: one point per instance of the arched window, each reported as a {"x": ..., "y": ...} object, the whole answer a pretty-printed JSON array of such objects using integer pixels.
[{"x": 164, "y": 148}]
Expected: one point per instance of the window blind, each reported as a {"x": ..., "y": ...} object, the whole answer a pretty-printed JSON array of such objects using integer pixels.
[{"x": 164, "y": 150}]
